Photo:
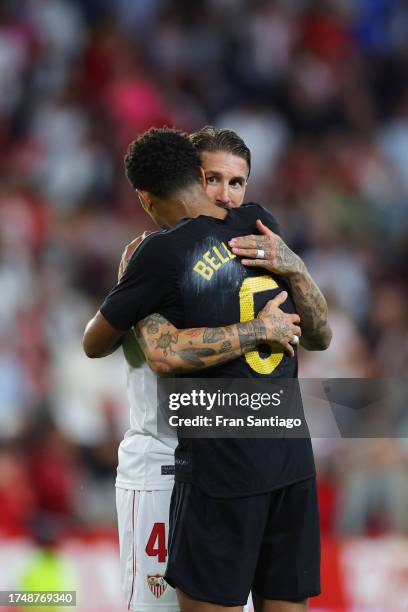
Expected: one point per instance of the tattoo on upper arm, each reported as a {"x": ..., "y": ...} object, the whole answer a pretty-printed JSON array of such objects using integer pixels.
[
  {"x": 153, "y": 322},
  {"x": 165, "y": 341}
]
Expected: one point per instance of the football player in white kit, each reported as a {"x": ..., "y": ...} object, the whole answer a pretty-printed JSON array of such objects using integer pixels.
[{"x": 145, "y": 474}]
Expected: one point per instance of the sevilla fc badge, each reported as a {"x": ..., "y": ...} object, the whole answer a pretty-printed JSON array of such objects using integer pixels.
[{"x": 157, "y": 585}]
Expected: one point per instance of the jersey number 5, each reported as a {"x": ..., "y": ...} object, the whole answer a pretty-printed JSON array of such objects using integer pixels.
[{"x": 250, "y": 286}]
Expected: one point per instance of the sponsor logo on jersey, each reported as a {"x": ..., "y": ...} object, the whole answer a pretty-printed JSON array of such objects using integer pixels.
[
  {"x": 168, "y": 470},
  {"x": 182, "y": 462},
  {"x": 157, "y": 584}
]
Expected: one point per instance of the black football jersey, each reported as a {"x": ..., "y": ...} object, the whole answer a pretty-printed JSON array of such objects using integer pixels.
[{"x": 190, "y": 276}]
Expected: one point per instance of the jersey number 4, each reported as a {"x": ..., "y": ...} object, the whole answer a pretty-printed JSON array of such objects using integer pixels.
[
  {"x": 250, "y": 286},
  {"x": 156, "y": 544}
]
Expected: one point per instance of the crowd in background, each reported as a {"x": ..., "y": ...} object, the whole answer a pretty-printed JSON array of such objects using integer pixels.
[{"x": 319, "y": 92}]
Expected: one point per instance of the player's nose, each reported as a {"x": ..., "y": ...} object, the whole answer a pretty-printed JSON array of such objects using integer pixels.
[{"x": 223, "y": 196}]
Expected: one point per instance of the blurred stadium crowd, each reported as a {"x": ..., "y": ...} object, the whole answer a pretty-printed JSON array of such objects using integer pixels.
[{"x": 318, "y": 90}]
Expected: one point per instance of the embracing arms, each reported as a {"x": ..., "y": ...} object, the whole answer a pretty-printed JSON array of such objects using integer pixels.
[
  {"x": 170, "y": 350},
  {"x": 278, "y": 258}
]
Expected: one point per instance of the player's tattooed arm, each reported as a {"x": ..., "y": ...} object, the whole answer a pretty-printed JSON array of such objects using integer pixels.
[
  {"x": 278, "y": 258},
  {"x": 246, "y": 332},
  {"x": 169, "y": 350},
  {"x": 312, "y": 307}
]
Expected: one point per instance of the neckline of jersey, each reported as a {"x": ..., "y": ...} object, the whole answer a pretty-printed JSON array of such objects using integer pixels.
[{"x": 224, "y": 221}]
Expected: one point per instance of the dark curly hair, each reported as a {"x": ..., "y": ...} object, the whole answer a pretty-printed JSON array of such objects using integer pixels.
[
  {"x": 212, "y": 140},
  {"x": 162, "y": 161}
]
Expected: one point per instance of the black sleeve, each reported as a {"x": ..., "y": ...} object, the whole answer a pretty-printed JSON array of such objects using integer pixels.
[{"x": 147, "y": 285}]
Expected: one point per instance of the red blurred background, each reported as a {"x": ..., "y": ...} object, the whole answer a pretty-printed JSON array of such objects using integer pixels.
[{"x": 319, "y": 91}]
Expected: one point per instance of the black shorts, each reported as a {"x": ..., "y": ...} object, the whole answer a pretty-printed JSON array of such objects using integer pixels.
[{"x": 221, "y": 549}]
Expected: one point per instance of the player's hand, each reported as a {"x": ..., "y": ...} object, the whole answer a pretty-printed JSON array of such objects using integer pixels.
[
  {"x": 280, "y": 326},
  {"x": 128, "y": 252},
  {"x": 275, "y": 257}
]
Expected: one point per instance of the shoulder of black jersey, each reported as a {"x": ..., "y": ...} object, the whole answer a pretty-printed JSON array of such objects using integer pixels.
[
  {"x": 150, "y": 253},
  {"x": 148, "y": 244},
  {"x": 256, "y": 211},
  {"x": 185, "y": 226},
  {"x": 163, "y": 240},
  {"x": 254, "y": 208},
  {"x": 250, "y": 208}
]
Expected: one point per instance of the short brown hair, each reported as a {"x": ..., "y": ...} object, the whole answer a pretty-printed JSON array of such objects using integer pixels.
[{"x": 211, "y": 140}]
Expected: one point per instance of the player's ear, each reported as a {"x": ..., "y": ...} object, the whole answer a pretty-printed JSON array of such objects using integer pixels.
[
  {"x": 202, "y": 177},
  {"x": 145, "y": 200}
]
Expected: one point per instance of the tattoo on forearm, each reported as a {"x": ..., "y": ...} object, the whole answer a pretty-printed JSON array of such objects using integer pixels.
[
  {"x": 226, "y": 347},
  {"x": 192, "y": 355},
  {"x": 193, "y": 333},
  {"x": 198, "y": 364},
  {"x": 287, "y": 259},
  {"x": 189, "y": 345},
  {"x": 250, "y": 333},
  {"x": 211, "y": 335},
  {"x": 229, "y": 331},
  {"x": 321, "y": 325},
  {"x": 312, "y": 309}
]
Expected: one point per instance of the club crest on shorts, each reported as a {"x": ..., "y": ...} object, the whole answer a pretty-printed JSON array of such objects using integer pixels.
[{"x": 157, "y": 585}]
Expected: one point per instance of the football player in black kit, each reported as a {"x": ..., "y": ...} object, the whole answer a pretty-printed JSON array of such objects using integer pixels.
[{"x": 244, "y": 512}]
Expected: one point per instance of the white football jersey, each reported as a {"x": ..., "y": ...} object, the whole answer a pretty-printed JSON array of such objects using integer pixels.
[{"x": 146, "y": 461}]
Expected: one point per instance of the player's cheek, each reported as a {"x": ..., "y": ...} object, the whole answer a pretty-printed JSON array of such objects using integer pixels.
[
  {"x": 212, "y": 191},
  {"x": 236, "y": 198}
]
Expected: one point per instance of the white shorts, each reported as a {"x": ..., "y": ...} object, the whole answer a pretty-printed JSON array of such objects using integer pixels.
[{"x": 143, "y": 524}]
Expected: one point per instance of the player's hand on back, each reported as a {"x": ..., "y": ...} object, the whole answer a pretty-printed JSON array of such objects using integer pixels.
[
  {"x": 128, "y": 252},
  {"x": 280, "y": 327},
  {"x": 267, "y": 251}
]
